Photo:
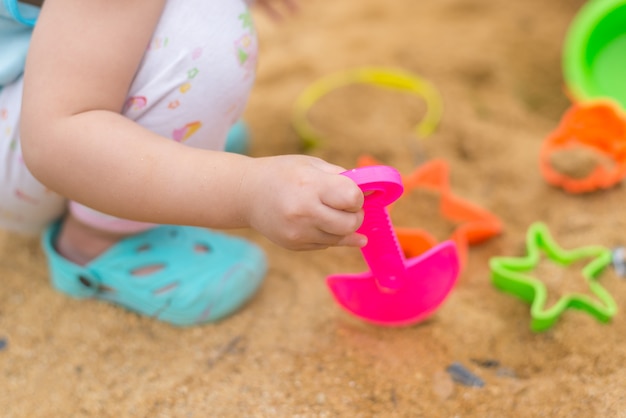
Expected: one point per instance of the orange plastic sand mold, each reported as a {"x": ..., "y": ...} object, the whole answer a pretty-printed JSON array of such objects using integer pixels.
[
  {"x": 599, "y": 126},
  {"x": 474, "y": 224}
]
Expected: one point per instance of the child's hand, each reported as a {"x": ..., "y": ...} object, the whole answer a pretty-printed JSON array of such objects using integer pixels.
[
  {"x": 278, "y": 9},
  {"x": 302, "y": 203}
]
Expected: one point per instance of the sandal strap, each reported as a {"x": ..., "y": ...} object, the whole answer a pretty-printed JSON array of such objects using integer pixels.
[{"x": 68, "y": 277}]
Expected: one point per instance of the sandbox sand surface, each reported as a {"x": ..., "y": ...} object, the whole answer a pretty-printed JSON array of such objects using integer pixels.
[{"x": 292, "y": 351}]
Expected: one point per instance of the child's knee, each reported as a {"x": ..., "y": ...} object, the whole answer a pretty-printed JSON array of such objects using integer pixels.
[
  {"x": 196, "y": 75},
  {"x": 25, "y": 204}
]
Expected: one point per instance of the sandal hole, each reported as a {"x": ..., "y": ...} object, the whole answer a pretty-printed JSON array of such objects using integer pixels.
[
  {"x": 166, "y": 289},
  {"x": 201, "y": 248},
  {"x": 143, "y": 248},
  {"x": 147, "y": 270},
  {"x": 85, "y": 281}
]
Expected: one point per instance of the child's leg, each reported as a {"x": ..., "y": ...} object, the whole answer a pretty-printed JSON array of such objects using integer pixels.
[
  {"x": 192, "y": 85},
  {"x": 25, "y": 204}
]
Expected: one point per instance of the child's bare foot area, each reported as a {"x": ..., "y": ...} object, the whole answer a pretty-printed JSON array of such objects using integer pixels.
[{"x": 81, "y": 243}]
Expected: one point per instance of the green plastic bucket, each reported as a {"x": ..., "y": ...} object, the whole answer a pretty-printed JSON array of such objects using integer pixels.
[{"x": 594, "y": 56}]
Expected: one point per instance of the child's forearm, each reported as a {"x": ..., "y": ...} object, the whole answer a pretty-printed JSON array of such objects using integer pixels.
[{"x": 109, "y": 163}]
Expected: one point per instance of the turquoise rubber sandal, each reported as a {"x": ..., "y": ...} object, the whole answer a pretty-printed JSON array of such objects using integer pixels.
[
  {"x": 238, "y": 139},
  {"x": 181, "y": 275}
]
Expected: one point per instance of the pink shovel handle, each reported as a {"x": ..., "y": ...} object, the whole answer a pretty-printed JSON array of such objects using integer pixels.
[{"x": 381, "y": 185}]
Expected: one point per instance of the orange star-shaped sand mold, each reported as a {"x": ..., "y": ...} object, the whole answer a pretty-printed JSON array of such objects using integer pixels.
[{"x": 473, "y": 223}]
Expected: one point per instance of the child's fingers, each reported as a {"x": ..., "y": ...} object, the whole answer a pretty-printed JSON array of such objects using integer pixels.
[
  {"x": 352, "y": 240},
  {"x": 340, "y": 223},
  {"x": 342, "y": 194},
  {"x": 324, "y": 240},
  {"x": 325, "y": 166},
  {"x": 319, "y": 240},
  {"x": 329, "y": 228}
]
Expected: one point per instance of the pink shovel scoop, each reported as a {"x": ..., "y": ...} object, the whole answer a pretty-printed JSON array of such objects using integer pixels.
[{"x": 395, "y": 291}]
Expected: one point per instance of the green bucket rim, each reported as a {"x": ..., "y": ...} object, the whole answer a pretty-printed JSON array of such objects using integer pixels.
[{"x": 590, "y": 15}]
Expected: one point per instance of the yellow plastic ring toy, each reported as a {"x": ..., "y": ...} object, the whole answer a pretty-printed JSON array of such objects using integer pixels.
[{"x": 387, "y": 78}]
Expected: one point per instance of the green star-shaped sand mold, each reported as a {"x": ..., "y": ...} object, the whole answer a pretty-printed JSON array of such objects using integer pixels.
[{"x": 511, "y": 274}]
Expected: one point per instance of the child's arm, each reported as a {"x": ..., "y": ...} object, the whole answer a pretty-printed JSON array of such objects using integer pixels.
[{"x": 82, "y": 60}]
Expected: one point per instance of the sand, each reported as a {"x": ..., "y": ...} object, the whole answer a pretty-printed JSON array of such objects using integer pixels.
[{"x": 292, "y": 352}]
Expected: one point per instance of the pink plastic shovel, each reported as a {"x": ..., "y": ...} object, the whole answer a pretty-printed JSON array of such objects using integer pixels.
[{"x": 395, "y": 291}]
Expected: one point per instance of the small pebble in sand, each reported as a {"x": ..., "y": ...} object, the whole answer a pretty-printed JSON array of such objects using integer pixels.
[
  {"x": 486, "y": 363},
  {"x": 462, "y": 375},
  {"x": 619, "y": 261},
  {"x": 578, "y": 162},
  {"x": 3, "y": 343},
  {"x": 495, "y": 364}
]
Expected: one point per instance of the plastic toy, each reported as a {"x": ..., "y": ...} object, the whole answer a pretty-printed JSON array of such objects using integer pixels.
[
  {"x": 594, "y": 58},
  {"x": 598, "y": 127},
  {"x": 512, "y": 275},
  {"x": 387, "y": 78},
  {"x": 395, "y": 292},
  {"x": 473, "y": 223}
]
